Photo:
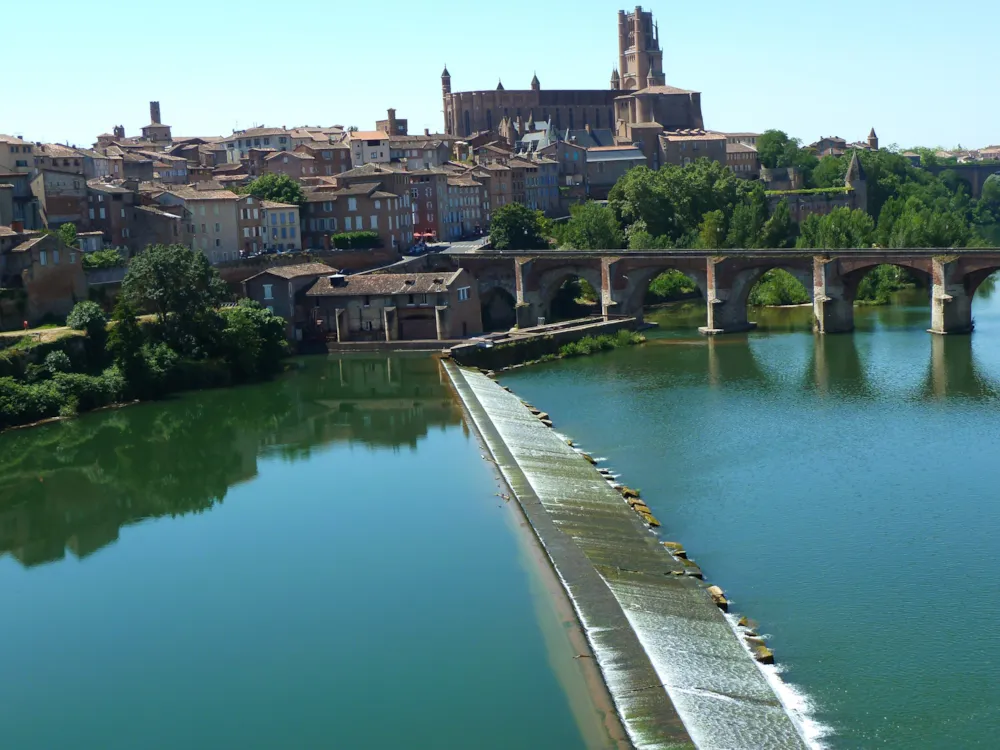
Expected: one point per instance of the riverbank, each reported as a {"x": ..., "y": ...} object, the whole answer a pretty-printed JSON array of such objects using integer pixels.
[{"x": 678, "y": 674}]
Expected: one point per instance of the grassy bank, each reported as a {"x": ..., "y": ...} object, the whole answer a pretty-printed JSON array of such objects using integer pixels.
[{"x": 602, "y": 343}]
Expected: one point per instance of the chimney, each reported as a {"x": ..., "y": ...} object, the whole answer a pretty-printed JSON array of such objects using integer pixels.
[
  {"x": 427, "y": 131},
  {"x": 392, "y": 121},
  {"x": 326, "y": 242},
  {"x": 17, "y": 225},
  {"x": 154, "y": 113}
]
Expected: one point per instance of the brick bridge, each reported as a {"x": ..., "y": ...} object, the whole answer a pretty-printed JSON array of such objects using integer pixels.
[{"x": 530, "y": 280}]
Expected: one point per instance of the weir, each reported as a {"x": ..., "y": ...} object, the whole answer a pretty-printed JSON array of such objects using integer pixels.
[{"x": 675, "y": 668}]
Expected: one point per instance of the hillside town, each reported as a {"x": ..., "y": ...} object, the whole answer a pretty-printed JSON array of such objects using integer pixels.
[{"x": 377, "y": 191}]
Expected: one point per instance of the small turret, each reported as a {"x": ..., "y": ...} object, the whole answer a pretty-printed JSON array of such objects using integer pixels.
[
  {"x": 535, "y": 85},
  {"x": 873, "y": 140},
  {"x": 500, "y": 85},
  {"x": 616, "y": 80},
  {"x": 446, "y": 81}
]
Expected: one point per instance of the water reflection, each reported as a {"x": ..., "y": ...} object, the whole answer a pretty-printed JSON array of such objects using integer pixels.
[
  {"x": 954, "y": 371},
  {"x": 73, "y": 485}
]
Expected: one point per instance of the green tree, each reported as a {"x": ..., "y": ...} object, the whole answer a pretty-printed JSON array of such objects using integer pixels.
[
  {"x": 175, "y": 283},
  {"x": 517, "y": 227},
  {"x": 88, "y": 316},
  {"x": 276, "y": 187},
  {"x": 771, "y": 147},
  {"x": 108, "y": 258},
  {"x": 830, "y": 172},
  {"x": 779, "y": 229},
  {"x": 841, "y": 228},
  {"x": 593, "y": 226},
  {"x": 253, "y": 340},
  {"x": 712, "y": 231},
  {"x": 126, "y": 339},
  {"x": 67, "y": 233}
]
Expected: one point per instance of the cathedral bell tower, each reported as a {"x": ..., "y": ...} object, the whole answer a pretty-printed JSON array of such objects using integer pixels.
[{"x": 640, "y": 59}]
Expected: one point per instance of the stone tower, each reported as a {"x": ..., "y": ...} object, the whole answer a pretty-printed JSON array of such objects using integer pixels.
[
  {"x": 640, "y": 60},
  {"x": 535, "y": 85},
  {"x": 616, "y": 81},
  {"x": 154, "y": 113},
  {"x": 873, "y": 140},
  {"x": 857, "y": 180}
]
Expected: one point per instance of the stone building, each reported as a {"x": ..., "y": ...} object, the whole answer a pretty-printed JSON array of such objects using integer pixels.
[
  {"x": 743, "y": 159},
  {"x": 395, "y": 306},
  {"x": 156, "y": 132},
  {"x": 278, "y": 289},
  {"x": 62, "y": 197},
  {"x": 639, "y": 69}
]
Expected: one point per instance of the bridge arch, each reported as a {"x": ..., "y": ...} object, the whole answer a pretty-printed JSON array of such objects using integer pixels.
[
  {"x": 638, "y": 281},
  {"x": 550, "y": 281},
  {"x": 745, "y": 281}
]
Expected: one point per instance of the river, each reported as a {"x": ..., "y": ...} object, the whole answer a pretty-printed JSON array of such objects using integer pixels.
[
  {"x": 842, "y": 489},
  {"x": 320, "y": 561}
]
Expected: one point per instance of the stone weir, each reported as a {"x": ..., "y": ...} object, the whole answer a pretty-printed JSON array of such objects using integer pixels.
[{"x": 676, "y": 669}]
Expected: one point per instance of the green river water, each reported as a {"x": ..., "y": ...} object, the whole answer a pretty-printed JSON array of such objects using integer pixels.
[
  {"x": 318, "y": 562},
  {"x": 844, "y": 490},
  {"x": 322, "y": 561}
]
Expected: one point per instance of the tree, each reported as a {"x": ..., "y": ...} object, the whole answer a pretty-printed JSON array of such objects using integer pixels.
[
  {"x": 67, "y": 233},
  {"x": 88, "y": 316},
  {"x": 830, "y": 172},
  {"x": 770, "y": 147},
  {"x": 253, "y": 340},
  {"x": 174, "y": 282},
  {"x": 841, "y": 228},
  {"x": 276, "y": 187},
  {"x": 712, "y": 231},
  {"x": 517, "y": 227},
  {"x": 779, "y": 229},
  {"x": 776, "y": 149},
  {"x": 593, "y": 226},
  {"x": 125, "y": 342}
]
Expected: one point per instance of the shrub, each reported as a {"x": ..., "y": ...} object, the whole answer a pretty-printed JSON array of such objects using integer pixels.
[
  {"x": 86, "y": 392},
  {"x": 108, "y": 258},
  {"x": 57, "y": 361},
  {"x": 355, "y": 240},
  {"x": 22, "y": 403},
  {"x": 87, "y": 316}
]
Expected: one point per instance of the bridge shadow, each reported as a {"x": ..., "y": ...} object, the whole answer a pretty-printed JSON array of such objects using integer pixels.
[
  {"x": 837, "y": 370},
  {"x": 952, "y": 370}
]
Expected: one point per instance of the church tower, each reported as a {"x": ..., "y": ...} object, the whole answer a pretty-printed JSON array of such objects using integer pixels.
[
  {"x": 449, "y": 125},
  {"x": 873, "y": 140},
  {"x": 640, "y": 59}
]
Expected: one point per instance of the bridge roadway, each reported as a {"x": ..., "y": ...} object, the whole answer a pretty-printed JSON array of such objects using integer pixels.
[{"x": 530, "y": 280}]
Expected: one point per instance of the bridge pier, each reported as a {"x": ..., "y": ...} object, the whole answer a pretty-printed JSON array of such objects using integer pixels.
[
  {"x": 951, "y": 303},
  {"x": 833, "y": 304},
  {"x": 726, "y": 298}
]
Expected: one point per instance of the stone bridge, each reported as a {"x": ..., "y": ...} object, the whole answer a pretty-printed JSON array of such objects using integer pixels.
[
  {"x": 530, "y": 280},
  {"x": 976, "y": 174}
]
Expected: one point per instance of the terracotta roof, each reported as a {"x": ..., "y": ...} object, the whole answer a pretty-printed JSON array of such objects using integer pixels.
[
  {"x": 369, "y": 135},
  {"x": 659, "y": 90},
  {"x": 276, "y": 204},
  {"x": 276, "y": 154},
  {"x": 740, "y": 148},
  {"x": 7, "y": 232},
  {"x": 192, "y": 193},
  {"x": 361, "y": 188},
  {"x": 27, "y": 245},
  {"x": 253, "y": 133},
  {"x": 692, "y": 135},
  {"x": 297, "y": 271},
  {"x": 385, "y": 284},
  {"x": 101, "y": 186},
  {"x": 383, "y": 194}
]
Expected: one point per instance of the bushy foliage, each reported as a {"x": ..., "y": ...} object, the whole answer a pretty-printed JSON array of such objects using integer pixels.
[
  {"x": 517, "y": 227},
  {"x": 87, "y": 316},
  {"x": 253, "y": 340},
  {"x": 356, "y": 240},
  {"x": 592, "y": 226},
  {"x": 108, "y": 258},
  {"x": 604, "y": 342},
  {"x": 778, "y": 287},
  {"x": 67, "y": 233},
  {"x": 279, "y": 188},
  {"x": 670, "y": 285},
  {"x": 57, "y": 361}
]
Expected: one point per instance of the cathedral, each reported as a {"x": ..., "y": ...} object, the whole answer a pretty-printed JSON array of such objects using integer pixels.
[{"x": 637, "y": 100}]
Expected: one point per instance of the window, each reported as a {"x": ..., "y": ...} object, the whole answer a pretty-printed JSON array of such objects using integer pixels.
[
  {"x": 246, "y": 231},
  {"x": 249, "y": 201},
  {"x": 72, "y": 257},
  {"x": 368, "y": 301},
  {"x": 55, "y": 257},
  {"x": 284, "y": 233},
  {"x": 43, "y": 257},
  {"x": 218, "y": 227},
  {"x": 103, "y": 214},
  {"x": 274, "y": 219},
  {"x": 203, "y": 228},
  {"x": 291, "y": 233},
  {"x": 274, "y": 233},
  {"x": 328, "y": 206},
  {"x": 268, "y": 291},
  {"x": 218, "y": 243},
  {"x": 291, "y": 217},
  {"x": 378, "y": 205},
  {"x": 374, "y": 222},
  {"x": 352, "y": 204},
  {"x": 282, "y": 217},
  {"x": 91, "y": 213},
  {"x": 463, "y": 293},
  {"x": 256, "y": 215},
  {"x": 270, "y": 309},
  {"x": 347, "y": 223}
]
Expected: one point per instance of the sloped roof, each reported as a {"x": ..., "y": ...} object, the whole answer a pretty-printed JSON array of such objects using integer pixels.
[
  {"x": 297, "y": 271},
  {"x": 385, "y": 284}
]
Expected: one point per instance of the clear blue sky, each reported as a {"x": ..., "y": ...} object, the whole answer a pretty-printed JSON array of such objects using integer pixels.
[{"x": 921, "y": 73}]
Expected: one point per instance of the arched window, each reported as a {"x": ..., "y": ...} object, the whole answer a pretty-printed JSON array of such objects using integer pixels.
[
  {"x": 468, "y": 124},
  {"x": 489, "y": 119}
]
